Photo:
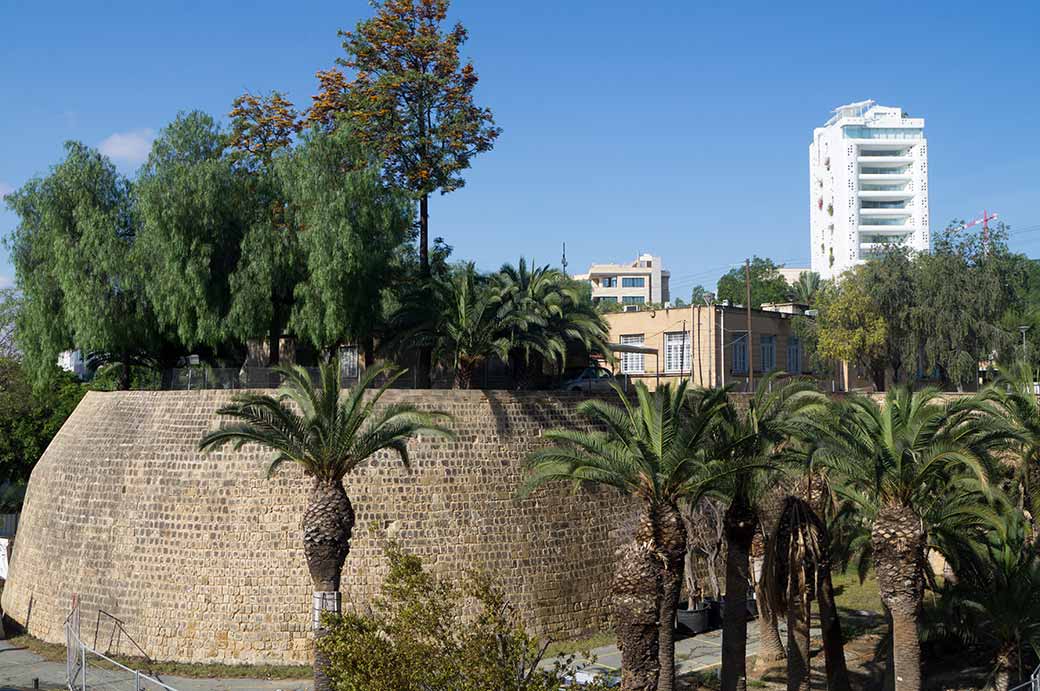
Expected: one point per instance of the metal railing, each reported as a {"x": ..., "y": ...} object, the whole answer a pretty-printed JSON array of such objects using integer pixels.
[
  {"x": 88, "y": 670},
  {"x": 1033, "y": 684}
]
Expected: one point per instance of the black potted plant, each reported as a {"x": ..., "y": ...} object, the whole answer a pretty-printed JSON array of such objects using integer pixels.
[{"x": 694, "y": 616}]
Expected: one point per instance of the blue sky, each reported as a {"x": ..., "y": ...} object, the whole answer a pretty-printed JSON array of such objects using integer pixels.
[{"x": 679, "y": 128}]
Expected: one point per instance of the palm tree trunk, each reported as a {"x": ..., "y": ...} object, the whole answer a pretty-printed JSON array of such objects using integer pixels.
[
  {"x": 798, "y": 614},
  {"x": 770, "y": 648},
  {"x": 1003, "y": 678},
  {"x": 636, "y": 612},
  {"x": 740, "y": 530},
  {"x": 771, "y": 653},
  {"x": 898, "y": 542},
  {"x": 670, "y": 540},
  {"x": 830, "y": 627},
  {"x": 327, "y": 525}
]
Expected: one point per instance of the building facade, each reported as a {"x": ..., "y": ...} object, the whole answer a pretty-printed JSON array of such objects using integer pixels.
[
  {"x": 643, "y": 281},
  {"x": 868, "y": 186},
  {"x": 707, "y": 345}
]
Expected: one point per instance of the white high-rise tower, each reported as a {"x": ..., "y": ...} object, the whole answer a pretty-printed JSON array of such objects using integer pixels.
[{"x": 868, "y": 186}]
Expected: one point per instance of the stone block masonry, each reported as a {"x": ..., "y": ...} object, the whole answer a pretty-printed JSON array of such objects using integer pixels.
[{"x": 201, "y": 556}]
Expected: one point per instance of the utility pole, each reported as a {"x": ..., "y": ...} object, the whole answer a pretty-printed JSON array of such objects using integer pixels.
[
  {"x": 563, "y": 261},
  {"x": 750, "y": 358}
]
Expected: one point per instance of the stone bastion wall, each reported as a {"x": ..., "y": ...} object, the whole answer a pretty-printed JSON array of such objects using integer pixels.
[{"x": 200, "y": 556}]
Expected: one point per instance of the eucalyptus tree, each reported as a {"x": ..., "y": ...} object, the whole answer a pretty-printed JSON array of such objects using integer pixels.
[
  {"x": 71, "y": 252},
  {"x": 353, "y": 229},
  {"x": 656, "y": 449},
  {"x": 901, "y": 464},
  {"x": 328, "y": 432}
]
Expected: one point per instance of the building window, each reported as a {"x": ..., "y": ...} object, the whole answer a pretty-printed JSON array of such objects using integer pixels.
[
  {"x": 738, "y": 346},
  {"x": 633, "y": 282},
  {"x": 608, "y": 282},
  {"x": 794, "y": 355},
  {"x": 632, "y": 363},
  {"x": 677, "y": 352},
  {"x": 633, "y": 299},
  {"x": 348, "y": 362},
  {"x": 768, "y": 348},
  {"x": 606, "y": 298}
]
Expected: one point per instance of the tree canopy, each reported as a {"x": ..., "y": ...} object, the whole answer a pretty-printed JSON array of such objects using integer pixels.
[{"x": 767, "y": 285}]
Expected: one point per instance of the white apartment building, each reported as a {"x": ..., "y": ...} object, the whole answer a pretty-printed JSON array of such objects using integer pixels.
[
  {"x": 639, "y": 282},
  {"x": 868, "y": 186}
]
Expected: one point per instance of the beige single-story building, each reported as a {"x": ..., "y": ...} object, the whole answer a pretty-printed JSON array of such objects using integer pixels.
[{"x": 708, "y": 345}]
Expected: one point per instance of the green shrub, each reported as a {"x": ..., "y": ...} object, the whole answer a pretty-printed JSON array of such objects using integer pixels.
[{"x": 430, "y": 634}]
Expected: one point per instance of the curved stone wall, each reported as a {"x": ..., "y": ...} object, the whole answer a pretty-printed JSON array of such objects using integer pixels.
[{"x": 200, "y": 556}]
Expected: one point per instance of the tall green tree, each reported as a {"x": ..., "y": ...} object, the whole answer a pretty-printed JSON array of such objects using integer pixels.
[
  {"x": 329, "y": 433},
  {"x": 72, "y": 257},
  {"x": 192, "y": 223},
  {"x": 767, "y": 285},
  {"x": 891, "y": 282},
  {"x": 965, "y": 285},
  {"x": 851, "y": 326},
  {"x": 353, "y": 227},
  {"x": 657, "y": 450},
  {"x": 270, "y": 259},
  {"x": 411, "y": 98}
]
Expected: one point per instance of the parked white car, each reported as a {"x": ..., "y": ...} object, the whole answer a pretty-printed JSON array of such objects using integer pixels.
[{"x": 591, "y": 379}]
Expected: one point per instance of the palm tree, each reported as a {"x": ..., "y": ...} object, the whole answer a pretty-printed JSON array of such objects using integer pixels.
[
  {"x": 656, "y": 450},
  {"x": 468, "y": 332},
  {"x": 543, "y": 314},
  {"x": 806, "y": 289},
  {"x": 751, "y": 438},
  {"x": 995, "y": 596},
  {"x": 790, "y": 581},
  {"x": 1015, "y": 392},
  {"x": 896, "y": 463},
  {"x": 809, "y": 484},
  {"x": 329, "y": 434}
]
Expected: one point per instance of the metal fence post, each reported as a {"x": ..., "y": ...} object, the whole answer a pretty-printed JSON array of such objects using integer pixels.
[
  {"x": 137, "y": 681},
  {"x": 83, "y": 662}
]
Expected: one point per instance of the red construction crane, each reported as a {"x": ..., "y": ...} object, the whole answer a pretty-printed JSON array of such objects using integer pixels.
[{"x": 984, "y": 220}]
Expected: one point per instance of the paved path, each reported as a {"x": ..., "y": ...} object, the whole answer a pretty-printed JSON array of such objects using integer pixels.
[
  {"x": 19, "y": 667},
  {"x": 692, "y": 654}
]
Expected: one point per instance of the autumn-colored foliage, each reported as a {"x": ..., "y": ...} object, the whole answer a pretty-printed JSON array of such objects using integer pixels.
[
  {"x": 410, "y": 97},
  {"x": 260, "y": 125}
]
